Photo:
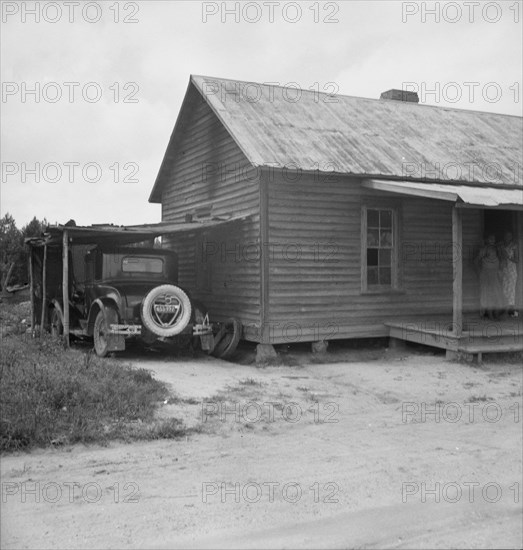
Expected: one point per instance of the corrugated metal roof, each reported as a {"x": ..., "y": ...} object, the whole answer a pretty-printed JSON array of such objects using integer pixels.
[
  {"x": 461, "y": 194},
  {"x": 353, "y": 135},
  {"x": 364, "y": 137}
]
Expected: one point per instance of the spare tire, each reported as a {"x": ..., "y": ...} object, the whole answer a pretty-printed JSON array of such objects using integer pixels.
[{"x": 166, "y": 310}]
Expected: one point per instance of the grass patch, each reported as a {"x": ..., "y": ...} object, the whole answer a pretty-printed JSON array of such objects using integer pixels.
[
  {"x": 479, "y": 399},
  {"x": 50, "y": 395},
  {"x": 250, "y": 382}
]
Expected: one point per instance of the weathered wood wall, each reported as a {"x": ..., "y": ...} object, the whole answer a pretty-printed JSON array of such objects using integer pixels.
[
  {"x": 220, "y": 267},
  {"x": 314, "y": 275}
]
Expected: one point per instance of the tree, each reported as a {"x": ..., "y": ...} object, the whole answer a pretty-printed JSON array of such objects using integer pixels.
[
  {"x": 34, "y": 228},
  {"x": 13, "y": 251}
]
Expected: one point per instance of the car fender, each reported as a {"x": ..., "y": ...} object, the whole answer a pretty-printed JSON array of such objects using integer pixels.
[{"x": 99, "y": 305}]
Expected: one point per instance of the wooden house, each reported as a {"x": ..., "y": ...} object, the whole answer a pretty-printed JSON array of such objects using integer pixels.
[{"x": 363, "y": 215}]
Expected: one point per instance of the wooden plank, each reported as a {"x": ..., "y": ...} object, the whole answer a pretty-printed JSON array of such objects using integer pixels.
[
  {"x": 32, "y": 288},
  {"x": 363, "y": 247},
  {"x": 65, "y": 285},
  {"x": 491, "y": 348},
  {"x": 44, "y": 291},
  {"x": 426, "y": 338},
  {"x": 396, "y": 187},
  {"x": 457, "y": 271},
  {"x": 265, "y": 259}
]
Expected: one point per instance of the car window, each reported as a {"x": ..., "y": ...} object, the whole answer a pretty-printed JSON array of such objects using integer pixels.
[{"x": 136, "y": 264}]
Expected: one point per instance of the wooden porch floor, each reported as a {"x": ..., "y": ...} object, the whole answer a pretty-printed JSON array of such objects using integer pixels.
[{"x": 478, "y": 335}]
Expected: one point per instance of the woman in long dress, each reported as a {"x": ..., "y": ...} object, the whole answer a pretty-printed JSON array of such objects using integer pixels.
[
  {"x": 489, "y": 264},
  {"x": 509, "y": 272}
]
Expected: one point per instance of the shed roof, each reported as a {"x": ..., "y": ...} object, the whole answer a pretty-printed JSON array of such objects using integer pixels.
[
  {"x": 277, "y": 126},
  {"x": 123, "y": 234}
]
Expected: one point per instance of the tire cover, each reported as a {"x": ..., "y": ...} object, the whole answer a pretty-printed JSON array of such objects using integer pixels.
[{"x": 166, "y": 310}]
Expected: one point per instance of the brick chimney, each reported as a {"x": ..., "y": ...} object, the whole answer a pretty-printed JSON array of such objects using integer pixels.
[{"x": 401, "y": 95}]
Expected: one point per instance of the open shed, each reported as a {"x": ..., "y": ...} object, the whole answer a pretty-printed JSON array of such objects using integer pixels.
[
  {"x": 66, "y": 245},
  {"x": 365, "y": 214}
]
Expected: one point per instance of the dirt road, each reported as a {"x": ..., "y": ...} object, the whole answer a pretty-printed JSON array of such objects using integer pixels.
[{"x": 403, "y": 451}]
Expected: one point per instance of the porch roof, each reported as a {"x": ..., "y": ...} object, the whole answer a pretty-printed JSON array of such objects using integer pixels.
[{"x": 462, "y": 195}]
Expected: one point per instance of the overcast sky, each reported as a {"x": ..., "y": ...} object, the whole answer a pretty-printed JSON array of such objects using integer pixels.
[{"x": 95, "y": 158}]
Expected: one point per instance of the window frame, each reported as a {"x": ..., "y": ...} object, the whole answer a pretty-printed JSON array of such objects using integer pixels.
[
  {"x": 142, "y": 272},
  {"x": 394, "y": 286}
]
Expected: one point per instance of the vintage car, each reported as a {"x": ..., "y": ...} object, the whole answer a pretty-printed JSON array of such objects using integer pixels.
[{"x": 122, "y": 293}]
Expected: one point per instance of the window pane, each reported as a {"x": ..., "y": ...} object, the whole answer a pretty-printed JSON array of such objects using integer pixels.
[
  {"x": 373, "y": 237},
  {"x": 385, "y": 276},
  {"x": 384, "y": 257},
  {"x": 379, "y": 248},
  {"x": 385, "y": 239},
  {"x": 372, "y": 276},
  {"x": 372, "y": 256},
  {"x": 385, "y": 219},
  {"x": 373, "y": 218},
  {"x": 142, "y": 265}
]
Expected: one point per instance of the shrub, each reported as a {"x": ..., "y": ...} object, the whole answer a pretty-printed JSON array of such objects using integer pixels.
[{"x": 50, "y": 395}]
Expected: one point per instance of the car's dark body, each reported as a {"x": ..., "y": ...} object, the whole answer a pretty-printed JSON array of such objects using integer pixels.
[
  {"x": 115, "y": 281},
  {"x": 106, "y": 280},
  {"x": 91, "y": 282}
]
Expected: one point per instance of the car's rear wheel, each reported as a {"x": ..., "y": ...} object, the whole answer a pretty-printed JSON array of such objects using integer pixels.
[
  {"x": 227, "y": 339},
  {"x": 101, "y": 332},
  {"x": 56, "y": 325},
  {"x": 166, "y": 310}
]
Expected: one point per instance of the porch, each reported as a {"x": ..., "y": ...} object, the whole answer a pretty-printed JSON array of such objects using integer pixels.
[
  {"x": 460, "y": 332},
  {"x": 474, "y": 337}
]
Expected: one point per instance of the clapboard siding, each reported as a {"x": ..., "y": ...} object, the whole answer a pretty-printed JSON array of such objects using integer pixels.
[
  {"x": 292, "y": 270},
  {"x": 315, "y": 263},
  {"x": 220, "y": 268}
]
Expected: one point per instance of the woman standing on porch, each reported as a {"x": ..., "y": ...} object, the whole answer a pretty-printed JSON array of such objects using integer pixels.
[
  {"x": 509, "y": 273},
  {"x": 489, "y": 265}
]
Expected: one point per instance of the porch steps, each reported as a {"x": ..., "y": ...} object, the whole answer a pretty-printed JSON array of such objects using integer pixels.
[{"x": 477, "y": 338}]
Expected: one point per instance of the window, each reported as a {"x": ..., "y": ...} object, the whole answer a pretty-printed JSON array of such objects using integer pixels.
[
  {"x": 134, "y": 264},
  {"x": 378, "y": 249}
]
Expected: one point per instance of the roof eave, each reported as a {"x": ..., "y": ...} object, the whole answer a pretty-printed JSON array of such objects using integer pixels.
[{"x": 156, "y": 192}]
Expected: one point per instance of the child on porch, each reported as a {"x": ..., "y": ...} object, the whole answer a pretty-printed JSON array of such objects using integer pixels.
[
  {"x": 509, "y": 271},
  {"x": 489, "y": 265}
]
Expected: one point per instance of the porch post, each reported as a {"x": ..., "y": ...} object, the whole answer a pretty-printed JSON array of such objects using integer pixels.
[
  {"x": 65, "y": 285},
  {"x": 457, "y": 270}
]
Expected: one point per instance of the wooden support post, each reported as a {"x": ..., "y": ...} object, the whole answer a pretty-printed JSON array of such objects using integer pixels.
[
  {"x": 32, "y": 289},
  {"x": 65, "y": 285},
  {"x": 44, "y": 293},
  {"x": 457, "y": 269},
  {"x": 7, "y": 278}
]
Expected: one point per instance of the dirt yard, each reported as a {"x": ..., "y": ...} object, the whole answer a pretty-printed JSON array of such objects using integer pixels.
[{"x": 386, "y": 449}]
